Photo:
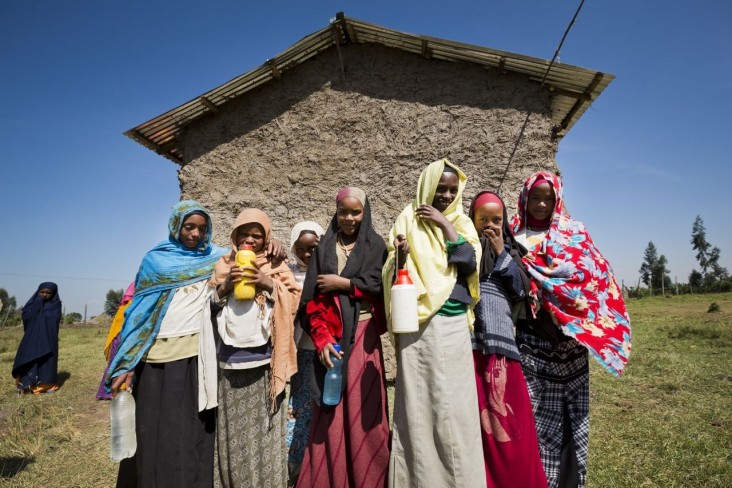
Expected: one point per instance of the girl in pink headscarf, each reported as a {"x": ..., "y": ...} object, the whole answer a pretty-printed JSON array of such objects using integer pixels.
[
  {"x": 510, "y": 446},
  {"x": 342, "y": 304},
  {"x": 576, "y": 309}
]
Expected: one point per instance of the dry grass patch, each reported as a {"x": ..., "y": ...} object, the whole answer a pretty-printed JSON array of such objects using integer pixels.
[{"x": 59, "y": 439}]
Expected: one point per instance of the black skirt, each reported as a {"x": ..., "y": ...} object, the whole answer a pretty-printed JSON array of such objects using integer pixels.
[{"x": 175, "y": 442}]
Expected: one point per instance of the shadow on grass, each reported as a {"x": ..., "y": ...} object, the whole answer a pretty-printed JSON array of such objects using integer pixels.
[
  {"x": 61, "y": 377},
  {"x": 10, "y": 466}
]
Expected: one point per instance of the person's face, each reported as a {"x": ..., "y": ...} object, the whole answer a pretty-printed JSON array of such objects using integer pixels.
[
  {"x": 46, "y": 294},
  {"x": 488, "y": 216},
  {"x": 305, "y": 247},
  {"x": 252, "y": 234},
  {"x": 540, "y": 204},
  {"x": 193, "y": 231},
  {"x": 349, "y": 214},
  {"x": 446, "y": 191}
]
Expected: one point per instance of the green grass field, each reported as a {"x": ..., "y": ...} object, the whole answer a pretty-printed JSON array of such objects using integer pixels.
[{"x": 666, "y": 423}]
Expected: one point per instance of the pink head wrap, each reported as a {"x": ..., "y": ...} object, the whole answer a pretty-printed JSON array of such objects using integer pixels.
[
  {"x": 487, "y": 197},
  {"x": 351, "y": 191},
  {"x": 128, "y": 293}
]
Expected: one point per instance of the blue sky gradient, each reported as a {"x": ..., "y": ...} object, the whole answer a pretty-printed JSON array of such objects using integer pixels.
[{"x": 83, "y": 203}]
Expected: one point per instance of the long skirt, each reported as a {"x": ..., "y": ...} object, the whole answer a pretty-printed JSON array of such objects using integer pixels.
[
  {"x": 175, "y": 442},
  {"x": 349, "y": 443},
  {"x": 300, "y": 413},
  {"x": 39, "y": 375},
  {"x": 436, "y": 438},
  {"x": 510, "y": 446},
  {"x": 250, "y": 443},
  {"x": 558, "y": 379}
]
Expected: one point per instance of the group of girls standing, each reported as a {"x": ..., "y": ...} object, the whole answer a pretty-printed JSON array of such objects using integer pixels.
[{"x": 492, "y": 390}]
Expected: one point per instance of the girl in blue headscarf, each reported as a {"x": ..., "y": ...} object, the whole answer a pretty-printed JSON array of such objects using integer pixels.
[
  {"x": 159, "y": 352},
  {"x": 36, "y": 362}
]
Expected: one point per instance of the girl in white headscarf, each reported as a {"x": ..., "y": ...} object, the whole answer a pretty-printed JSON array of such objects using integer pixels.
[{"x": 303, "y": 241}]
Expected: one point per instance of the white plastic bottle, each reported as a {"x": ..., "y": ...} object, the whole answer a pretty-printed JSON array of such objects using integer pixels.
[
  {"x": 404, "y": 315},
  {"x": 124, "y": 439}
]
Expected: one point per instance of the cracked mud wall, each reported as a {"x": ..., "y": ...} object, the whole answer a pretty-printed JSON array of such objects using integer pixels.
[{"x": 288, "y": 146}]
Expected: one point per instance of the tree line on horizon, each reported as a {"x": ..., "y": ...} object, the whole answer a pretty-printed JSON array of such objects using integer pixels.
[{"x": 710, "y": 277}]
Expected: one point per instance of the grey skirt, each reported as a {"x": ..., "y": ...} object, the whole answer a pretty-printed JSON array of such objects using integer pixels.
[
  {"x": 436, "y": 434},
  {"x": 250, "y": 444}
]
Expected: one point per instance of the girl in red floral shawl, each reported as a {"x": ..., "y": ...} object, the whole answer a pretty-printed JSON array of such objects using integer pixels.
[{"x": 575, "y": 307}]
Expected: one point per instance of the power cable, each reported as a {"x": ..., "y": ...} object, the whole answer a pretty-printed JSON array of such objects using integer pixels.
[{"x": 543, "y": 80}]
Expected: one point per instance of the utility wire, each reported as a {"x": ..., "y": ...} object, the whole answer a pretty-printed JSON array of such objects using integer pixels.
[
  {"x": 559, "y": 48},
  {"x": 543, "y": 80}
]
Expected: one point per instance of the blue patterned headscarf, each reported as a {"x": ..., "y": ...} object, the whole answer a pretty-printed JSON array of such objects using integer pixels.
[{"x": 166, "y": 267}]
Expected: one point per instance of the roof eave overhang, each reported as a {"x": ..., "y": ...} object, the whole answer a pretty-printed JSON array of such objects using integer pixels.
[{"x": 573, "y": 89}]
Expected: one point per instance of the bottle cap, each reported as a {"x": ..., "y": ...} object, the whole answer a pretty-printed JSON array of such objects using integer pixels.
[
  {"x": 245, "y": 247},
  {"x": 403, "y": 278}
]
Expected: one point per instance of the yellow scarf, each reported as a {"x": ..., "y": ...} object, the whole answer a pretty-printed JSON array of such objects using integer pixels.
[
  {"x": 427, "y": 259},
  {"x": 115, "y": 328}
]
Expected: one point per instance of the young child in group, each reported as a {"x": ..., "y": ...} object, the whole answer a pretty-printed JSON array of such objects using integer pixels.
[
  {"x": 510, "y": 446},
  {"x": 256, "y": 354},
  {"x": 342, "y": 304},
  {"x": 576, "y": 306},
  {"x": 436, "y": 433},
  {"x": 303, "y": 241}
]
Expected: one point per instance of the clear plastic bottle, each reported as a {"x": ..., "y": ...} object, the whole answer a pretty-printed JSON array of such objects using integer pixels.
[
  {"x": 332, "y": 384},
  {"x": 122, "y": 413},
  {"x": 245, "y": 257}
]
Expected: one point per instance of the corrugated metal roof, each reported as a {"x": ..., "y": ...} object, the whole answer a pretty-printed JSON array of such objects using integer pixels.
[{"x": 573, "y": 88}]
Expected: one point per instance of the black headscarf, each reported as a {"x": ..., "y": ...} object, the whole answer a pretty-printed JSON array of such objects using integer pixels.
[
  {"x": 363, "y": 269},
  {"x": 41, "y": 320}
]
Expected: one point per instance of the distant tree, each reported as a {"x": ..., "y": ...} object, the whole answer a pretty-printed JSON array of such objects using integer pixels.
[
  {"x": 72, "y": 317},
  {"x": 9, "y": 311},
  {"x": 696, "y": 280},
  {"x": 707, "y": 256},
  {"x": 717, "y": 273},
  {"x": 650, "y": 257},
  {"x": 661, "y": 279},
  {"x": 700, "y": 245},
  {"x": 111, "y": 304}
]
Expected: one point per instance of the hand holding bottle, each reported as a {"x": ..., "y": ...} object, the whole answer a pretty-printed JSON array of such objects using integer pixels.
[{"x": 326, "y": 353}]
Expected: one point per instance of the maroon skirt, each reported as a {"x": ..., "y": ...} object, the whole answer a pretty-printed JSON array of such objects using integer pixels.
[
  {"x": 510, "y": 445},
  {"x": 349, "y": 443}
]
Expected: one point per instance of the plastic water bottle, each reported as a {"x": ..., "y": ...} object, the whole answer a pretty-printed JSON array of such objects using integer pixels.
[
  {"x": 245, "y": 257},
  {"x": 332, "y": 386},
  {"x": 404, "y": 314},
  {"x": 122, "y": 413}
]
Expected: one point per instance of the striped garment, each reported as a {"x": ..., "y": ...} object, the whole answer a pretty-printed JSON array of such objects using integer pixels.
[
  {"x": 349, "y": 443},
  {"x": 493, "y": 333}
]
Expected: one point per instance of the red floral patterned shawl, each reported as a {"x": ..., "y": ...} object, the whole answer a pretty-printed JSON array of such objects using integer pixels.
[{"x": 575, "y": 283}]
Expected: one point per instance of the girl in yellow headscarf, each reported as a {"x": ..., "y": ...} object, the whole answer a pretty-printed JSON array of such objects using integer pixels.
[{"x": 436, "y": 430}]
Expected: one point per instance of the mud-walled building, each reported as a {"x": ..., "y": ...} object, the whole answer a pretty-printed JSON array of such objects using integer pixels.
[{"x": 359, "y": 104}]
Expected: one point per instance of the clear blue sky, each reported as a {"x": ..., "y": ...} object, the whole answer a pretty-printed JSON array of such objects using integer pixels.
[{"x": 82, "y": 203}]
